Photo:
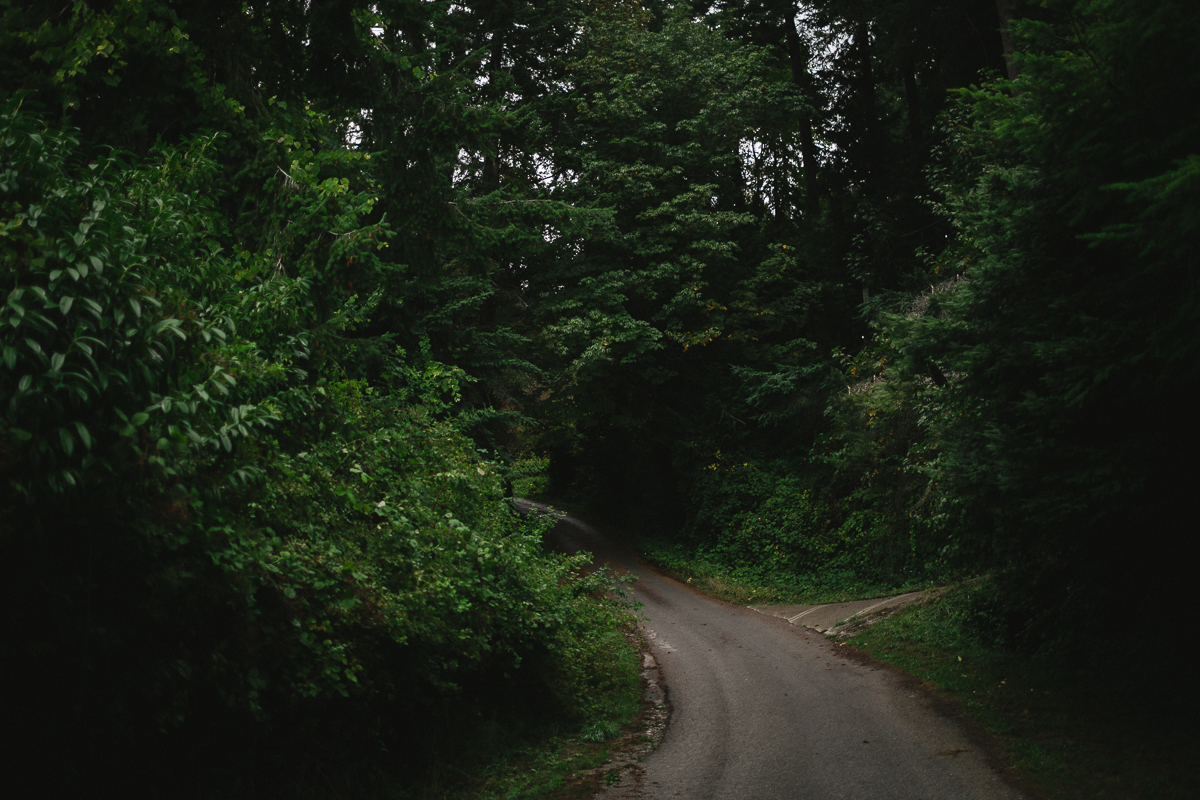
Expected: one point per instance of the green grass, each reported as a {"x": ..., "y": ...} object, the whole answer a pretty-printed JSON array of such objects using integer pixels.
[
  {"x": 762, "y": 587},
  {"x": 548, "y": 771},
  {"x": 1123, "y": 729}
]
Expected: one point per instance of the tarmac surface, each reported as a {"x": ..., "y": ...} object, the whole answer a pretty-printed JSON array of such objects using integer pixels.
[{"x": 763, "y": 707}]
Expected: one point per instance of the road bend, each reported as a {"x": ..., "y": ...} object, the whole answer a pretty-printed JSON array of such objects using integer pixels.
[{"x": 761, "y": 709}]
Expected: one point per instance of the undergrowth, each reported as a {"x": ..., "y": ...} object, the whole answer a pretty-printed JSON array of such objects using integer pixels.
[
  {"x": 248, "y": 547},
  {"x": 765, "y": 532},
  {"x": 760, "y": 584},
  {"x": 554, "y": 762}
]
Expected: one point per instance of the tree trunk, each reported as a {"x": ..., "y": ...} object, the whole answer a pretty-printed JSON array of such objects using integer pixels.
[
  {"x": 912, "y": 99},
  {"x": 491, "y": 162},
  {"x": 873, "y": 155},
  {"x": 1004, "y": 10},
  {"x": 798, "y": 59}
]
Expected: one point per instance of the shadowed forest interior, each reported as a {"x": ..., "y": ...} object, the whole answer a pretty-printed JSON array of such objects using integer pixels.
[{"x": 830, "y": 298}]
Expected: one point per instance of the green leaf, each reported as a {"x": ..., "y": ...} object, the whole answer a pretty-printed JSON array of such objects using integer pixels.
[
  {"x": 10, "y": 356},
  {"x": 68, "y": 441},
  {"x": 56, "y": 361},
  {"x": 140, "y": 418},
  {"x": 25, "y": 382},
  {"x": 84, "y": 435},
  {"x": 19, "y": 434},
  {"x": 65, "y": 304}
]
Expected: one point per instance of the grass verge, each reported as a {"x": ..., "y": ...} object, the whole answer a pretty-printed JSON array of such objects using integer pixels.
[
  {"x": 758, "y": 586},
  {"x": 554, "y": 769},
  {"x": 1121, "y": 729}
]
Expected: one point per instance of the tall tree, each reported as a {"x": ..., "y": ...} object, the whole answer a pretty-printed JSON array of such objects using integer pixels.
[
  {"x": 1069, "y": 336},
  {"x": 693, "y": 272}
]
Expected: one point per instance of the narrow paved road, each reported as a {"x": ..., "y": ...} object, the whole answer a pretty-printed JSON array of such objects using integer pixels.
[{"x": 761, "y": 709}]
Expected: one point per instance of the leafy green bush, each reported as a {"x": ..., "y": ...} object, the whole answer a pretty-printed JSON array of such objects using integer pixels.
[
  {"x": 116, "y": 333},
  {"x": 762, "y": 523},
  {"x": 233, "y": 551}
]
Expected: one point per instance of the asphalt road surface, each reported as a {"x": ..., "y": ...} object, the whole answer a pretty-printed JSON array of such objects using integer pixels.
[{"x": 764, "y": 709}]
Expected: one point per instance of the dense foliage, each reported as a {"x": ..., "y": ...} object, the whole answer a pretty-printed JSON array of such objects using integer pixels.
[
  {"x": 826, "y": 294},
  {"x": 248, "y": 545},
  {"x": 1009, "y": 393},
  {"x": 1047, "y": 359}
]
